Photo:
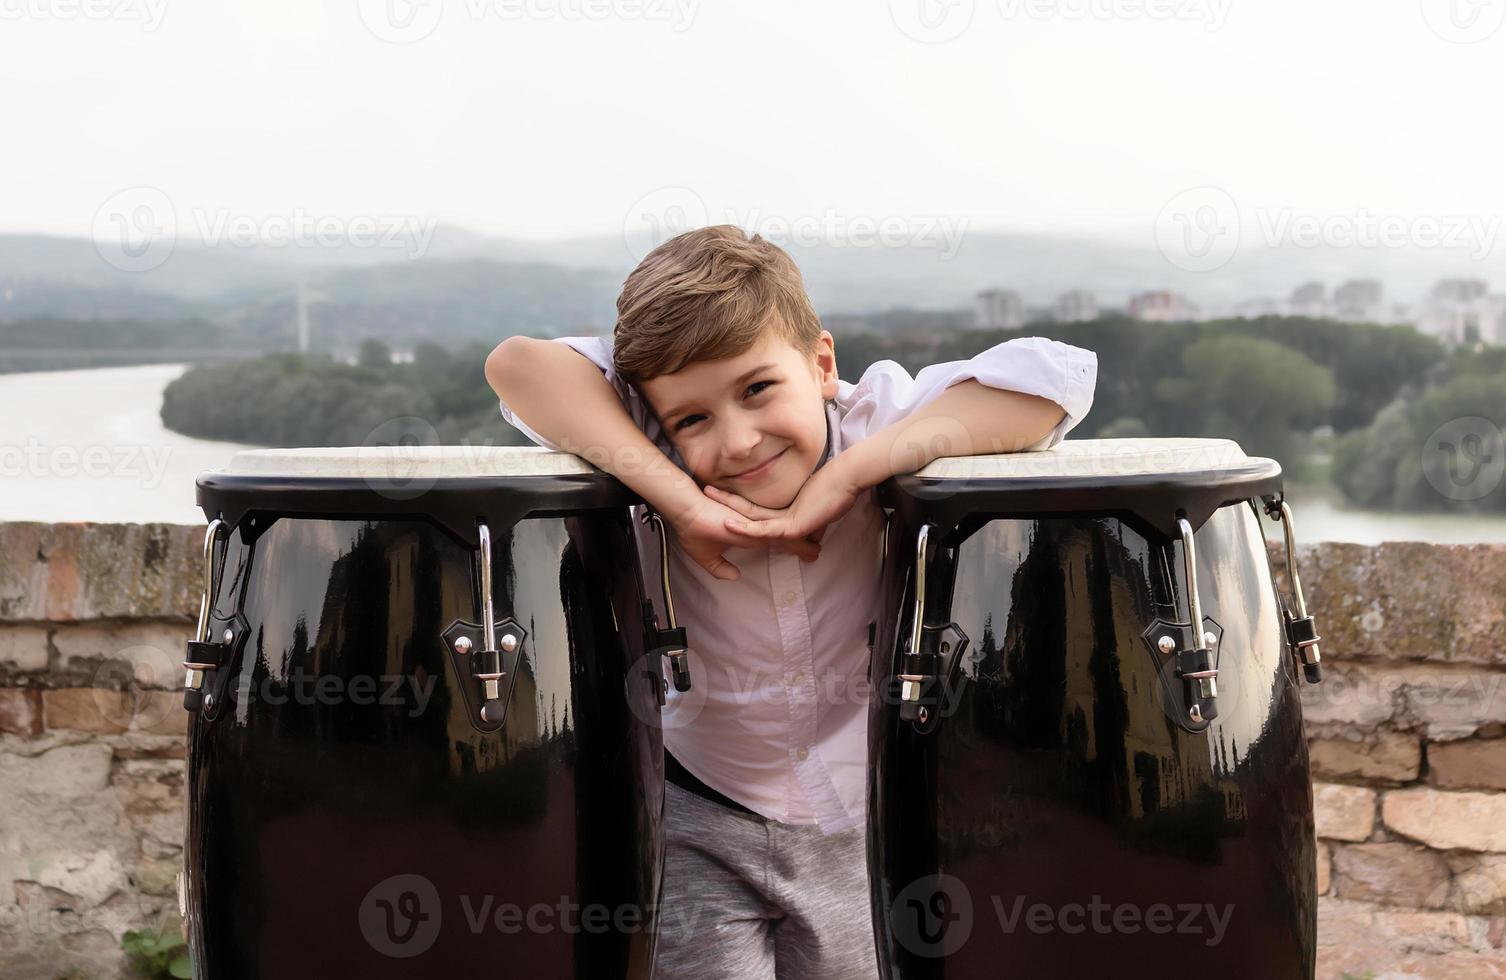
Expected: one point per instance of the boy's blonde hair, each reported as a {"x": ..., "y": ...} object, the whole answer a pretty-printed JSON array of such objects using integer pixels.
[{"x": 705, "y": 295}]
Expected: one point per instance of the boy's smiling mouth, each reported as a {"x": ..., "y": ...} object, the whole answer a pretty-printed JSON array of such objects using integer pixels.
[{"x": 761, "y": 469}]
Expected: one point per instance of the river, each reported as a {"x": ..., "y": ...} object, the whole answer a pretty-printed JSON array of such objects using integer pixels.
[{"x": 89, "y": 445}]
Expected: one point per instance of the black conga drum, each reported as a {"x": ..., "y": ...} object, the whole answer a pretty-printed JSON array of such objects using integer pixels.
[
  {"x": 1087, "y": 756},
  {"x": 424, "y": 738}
]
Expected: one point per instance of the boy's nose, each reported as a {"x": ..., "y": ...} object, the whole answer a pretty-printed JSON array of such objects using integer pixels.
[{"x": 740, "y": 445}]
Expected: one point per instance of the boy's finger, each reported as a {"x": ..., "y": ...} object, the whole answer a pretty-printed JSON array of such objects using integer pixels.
[
  {"x": 723, "y": 569},
  {"x": 742, "y": 505},
  {"x": 802, "y": 549},
  {"x": 763, "y": 530}
]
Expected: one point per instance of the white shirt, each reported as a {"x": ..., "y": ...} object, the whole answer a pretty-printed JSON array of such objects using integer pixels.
[{"x": 777, "y": 716}]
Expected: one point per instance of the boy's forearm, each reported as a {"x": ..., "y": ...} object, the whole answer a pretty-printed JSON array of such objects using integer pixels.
[
  {"x": 532, "y": 377},
  {"x": 967, "y": 419}
]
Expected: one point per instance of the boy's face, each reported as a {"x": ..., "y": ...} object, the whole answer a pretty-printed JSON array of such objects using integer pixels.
[{"x": 765, "y": 406}]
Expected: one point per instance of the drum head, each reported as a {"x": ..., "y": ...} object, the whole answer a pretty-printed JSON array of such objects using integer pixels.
[{"x": 1151, "y": 482}]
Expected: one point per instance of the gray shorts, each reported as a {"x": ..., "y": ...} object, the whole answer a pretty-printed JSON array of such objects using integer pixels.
[{"x": 747, "y": 899}]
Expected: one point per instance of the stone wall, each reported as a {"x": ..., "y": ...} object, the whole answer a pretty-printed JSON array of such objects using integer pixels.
[
  {"x": 1408, "y": 739},
  {"x": 1408, "y": 746},
  {"x": 92, "y": 624}
]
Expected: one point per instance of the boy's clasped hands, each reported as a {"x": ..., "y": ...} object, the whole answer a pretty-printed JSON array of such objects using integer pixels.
[{"x": 732, "y": 520}]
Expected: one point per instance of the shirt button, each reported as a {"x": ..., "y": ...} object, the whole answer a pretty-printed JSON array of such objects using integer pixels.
[
  {"x": 802, "y": 754},
  {"x": 789, "y": 598},
  {"x": 799, "y": 678}
]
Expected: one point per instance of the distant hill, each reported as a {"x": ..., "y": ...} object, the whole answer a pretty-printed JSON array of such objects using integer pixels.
[{"x": 472, "y": 286}]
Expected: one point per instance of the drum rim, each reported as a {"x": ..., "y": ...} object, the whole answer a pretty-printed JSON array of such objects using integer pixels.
[
  {"x": 438, "y": 463},
  {"x": 456, "y": 504}
]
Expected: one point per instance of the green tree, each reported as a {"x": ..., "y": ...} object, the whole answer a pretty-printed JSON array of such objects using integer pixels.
[
  {"x": 1257, "y": 392},
  {"x": 374, "y": 354}
]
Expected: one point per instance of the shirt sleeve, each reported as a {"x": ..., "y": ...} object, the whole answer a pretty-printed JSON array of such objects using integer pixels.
[
  {"x": 598, "y": 350},
  {"x": 1033, "y": 365}
]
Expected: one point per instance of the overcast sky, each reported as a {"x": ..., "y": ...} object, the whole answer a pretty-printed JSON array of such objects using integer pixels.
[{"x": 526, "y": 118}]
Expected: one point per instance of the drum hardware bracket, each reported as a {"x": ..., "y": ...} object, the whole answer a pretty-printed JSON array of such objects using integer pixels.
[
  {"x": 1191, "y": 646},
  {"x": 496, "y": 668},
  {"x": 1301, "y": 628},
  {"x": 927, "y": 674},
  {"x": 491, "y": 652},
  {"x": 655, "y": 656},
  {"x": 1193, "y": 660},
  {"x": 668, "y": 641},
  {"x": 929, "y": 686},
  {"x": 217, "y": 639}
]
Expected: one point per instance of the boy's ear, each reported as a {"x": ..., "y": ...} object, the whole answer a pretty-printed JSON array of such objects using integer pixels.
[{"x": 826, "y": 364}]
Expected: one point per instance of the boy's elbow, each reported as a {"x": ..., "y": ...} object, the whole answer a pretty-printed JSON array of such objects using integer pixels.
[
  {"x": 1036, "y": 418},
  {"x": 506, "y": 362}
]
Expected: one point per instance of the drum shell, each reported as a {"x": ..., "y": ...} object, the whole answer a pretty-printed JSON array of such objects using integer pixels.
[
  {"x": 1057, "y": 789},
  {"x": 323, "y": 808}
]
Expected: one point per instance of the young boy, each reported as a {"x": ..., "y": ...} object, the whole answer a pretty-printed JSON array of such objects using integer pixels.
[{"x": 717, "y": 400}]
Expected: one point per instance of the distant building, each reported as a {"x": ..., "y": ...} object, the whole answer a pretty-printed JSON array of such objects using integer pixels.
[
  {"x": 1460, "y": 290},
  {"x": 1252, "y": 308},
  {"x": 1160, "y": 305},
  {"x": 1075, "y": 305},
  {"x": 1310, "y": 299},
  {"x": 1462, "y": 311},
  {"x": 1359, "y": 299},
  {"x": 999, "y": 308}
]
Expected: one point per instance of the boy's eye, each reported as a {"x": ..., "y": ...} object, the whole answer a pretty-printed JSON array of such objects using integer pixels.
[{"x": 755, "y": 388}]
